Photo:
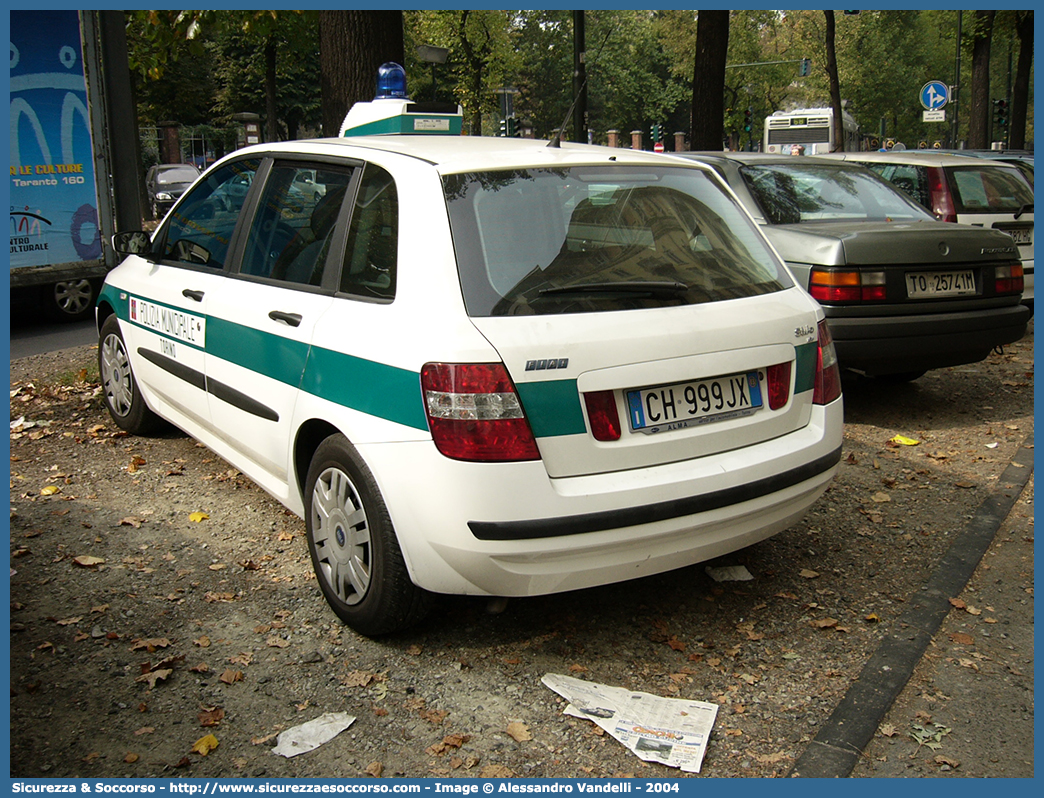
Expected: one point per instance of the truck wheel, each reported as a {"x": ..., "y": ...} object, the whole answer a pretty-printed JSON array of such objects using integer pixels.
[
  {"x": 122, "y": 396},
  {"x": 354, "y": 550},
  {"x": 71, "y": 300}
]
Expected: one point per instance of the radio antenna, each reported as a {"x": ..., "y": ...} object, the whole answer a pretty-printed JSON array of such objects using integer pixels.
[{"x": 556, "y": 141}]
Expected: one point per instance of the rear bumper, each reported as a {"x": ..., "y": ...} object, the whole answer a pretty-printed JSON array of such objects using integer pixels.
[
  {"x": 510, "y": 530},
  {"x": 893, "y": 344}
]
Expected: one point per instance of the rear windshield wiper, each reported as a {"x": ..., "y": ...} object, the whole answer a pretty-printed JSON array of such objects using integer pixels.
[
  {"x": 1027, "y": 208},
  {"x": 653, "y": 287}
]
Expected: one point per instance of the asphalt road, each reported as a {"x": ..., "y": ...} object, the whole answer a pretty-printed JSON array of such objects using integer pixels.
[{"x": 31, "y": 337}]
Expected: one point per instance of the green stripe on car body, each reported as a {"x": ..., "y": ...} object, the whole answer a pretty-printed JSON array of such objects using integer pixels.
[
  {"x": 807, "y": 359},
  {"x": 552, "y": 407}
]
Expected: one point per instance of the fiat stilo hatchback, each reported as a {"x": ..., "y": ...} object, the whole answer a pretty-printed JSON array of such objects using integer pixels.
[{"x": 479, "y": 366}]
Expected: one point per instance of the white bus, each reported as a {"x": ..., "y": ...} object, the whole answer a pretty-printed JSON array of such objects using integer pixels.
[{"x": 809, "y": 128}]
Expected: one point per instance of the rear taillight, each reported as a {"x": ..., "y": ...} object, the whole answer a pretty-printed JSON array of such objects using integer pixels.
[
  {"x": 603, "y": 415},
  {"x": 474, "y": 413},
  {"x": 1008, "y": 279},
  {"x": 939, "y": 196},
  {"x": 778, "y": 378},
  {"x": 838, "y": 285},
  {"x": 828, "y": 374}
]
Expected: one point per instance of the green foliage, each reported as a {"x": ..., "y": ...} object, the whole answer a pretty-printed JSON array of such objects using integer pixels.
[{"x": 201, "y": 66}]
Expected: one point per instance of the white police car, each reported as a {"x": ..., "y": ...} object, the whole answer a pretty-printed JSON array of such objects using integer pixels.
[{"x": 479, "y": 366}]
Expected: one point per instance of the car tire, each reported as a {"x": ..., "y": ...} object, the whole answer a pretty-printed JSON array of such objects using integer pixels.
[
  {"x": 71, "y": 300},
  {"x": 120, "y": 390},
  {"x": 354, "y": 550}
]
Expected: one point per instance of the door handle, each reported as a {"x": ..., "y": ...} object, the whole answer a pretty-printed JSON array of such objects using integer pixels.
[
  {"x": 293, "y": 319},
  {"x": 190, "y": 294}
]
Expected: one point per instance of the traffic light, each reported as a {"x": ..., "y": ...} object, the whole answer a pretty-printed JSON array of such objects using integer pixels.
[
  {"x": 748, "y": 121},
  {"x": 657, "y": 132},
  {"x": 503, "y": 127},
  {"x": 512, "y": 127},
  {"x": 806, "y": 67},
  {"x": 1000, "y": 113}
]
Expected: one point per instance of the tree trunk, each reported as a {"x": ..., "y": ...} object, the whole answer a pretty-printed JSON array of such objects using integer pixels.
[
  {"x": 352, "y": 45},
  {"x": 835, "y": 84},
  {"x": 979, "y": 119},
  {"x": 271, "y": 122},
  {"x": 708, "y": 80},
  {"x": 1023, "y": 71}
]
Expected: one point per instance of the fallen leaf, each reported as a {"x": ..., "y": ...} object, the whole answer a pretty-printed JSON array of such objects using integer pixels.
[
  {"x": 824, "y": 623},
  {"x": 69, "y": 621},
  {"x": 204, "y": 745},
  {"x": 808, "y": 574},
  {"x": 880, "y": 498},
  {"x": 962, "y": 638},
  {"x": 519, "y": 732},
  {"x": 200, "y": 668},
  {"x": 375, "y": 769},
  {"x": 771, "y": 759},
  {"x": 130, "y": 759},
  {"x": 211, "y": 717},
  {"x": 133, "y": 521},
  {"x": 231, "y": 676},
  {"x": 888, "y": 730},
  {"x": 433, "y": 716},
  {"x": 357, "y": 679},
  {"x": 87, "y": 561},
  {"x": 154, "y": 676},
  {"x": 277, "y": 642},
  {"x": 496, "y": 772},
  {"x": 144, "y": 730},
  {"x": 676, "y": 644},
  {"x": 902, "y": 440},
  {"x": 151, "y": 644},
  {"x": 958, "y": 603},
  {"x": 202, "y": 642},
  {"x": 942, "y": 760},
  {"x": 50, "y": 490},
  {"x": 198, "y": 516},
  {"x": 414, "y": 650},
  {"x": 217, "y": 566}
]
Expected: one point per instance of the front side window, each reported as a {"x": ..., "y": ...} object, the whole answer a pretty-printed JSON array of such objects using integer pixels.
[
  {"x": 790, "y": 194},
  {"x": 292, "y": 231},
  {"x": 591, "y": 239},
  {"x": 200, "y": 228}
]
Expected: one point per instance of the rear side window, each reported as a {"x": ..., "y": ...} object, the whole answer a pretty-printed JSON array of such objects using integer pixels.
[
  {"x": 989, "y": 189},
  {"x": 371, "y": 256},
  {"x": 591, "y": 239},
  {"x": 201, "y": 226}
]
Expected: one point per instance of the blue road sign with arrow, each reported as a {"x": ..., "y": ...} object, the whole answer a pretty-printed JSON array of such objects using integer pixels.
[{"x": 934, "y": 95}]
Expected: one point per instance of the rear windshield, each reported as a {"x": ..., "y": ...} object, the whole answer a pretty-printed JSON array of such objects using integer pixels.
[
  {"x": 976, "y": 188},
  {"x": 181, "y": 175},
  {"x": 590, "y": 239},
  {"x": 807, "y": 192},
  {"x": 989, "y": 189}
]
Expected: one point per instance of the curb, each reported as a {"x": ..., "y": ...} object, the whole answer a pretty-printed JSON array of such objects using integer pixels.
[{"x": 840, "y": 742}]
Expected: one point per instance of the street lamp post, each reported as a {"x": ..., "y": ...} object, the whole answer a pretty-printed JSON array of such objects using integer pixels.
[{"x": 432, "y": 55}]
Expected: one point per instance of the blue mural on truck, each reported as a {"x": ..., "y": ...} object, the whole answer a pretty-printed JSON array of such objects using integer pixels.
[{"x": 54, "y": 206}]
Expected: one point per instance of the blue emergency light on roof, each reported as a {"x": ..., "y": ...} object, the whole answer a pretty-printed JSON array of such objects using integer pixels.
[
  {"x": 391, "y": 82},
  {"x": 393, "y": 113}
]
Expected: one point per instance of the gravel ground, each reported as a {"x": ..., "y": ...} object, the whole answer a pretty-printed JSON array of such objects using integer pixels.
[{"x": 158, "y": 597}]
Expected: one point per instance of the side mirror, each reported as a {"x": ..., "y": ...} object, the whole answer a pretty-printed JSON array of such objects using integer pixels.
[{"x": 137, "y": 242}]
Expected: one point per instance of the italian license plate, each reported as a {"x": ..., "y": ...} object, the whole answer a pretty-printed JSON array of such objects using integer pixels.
[
  {"x": 687, "y": 404},
  {"x": 931, "y": 284},
  {"x": 1023, "y": 235}
]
